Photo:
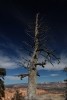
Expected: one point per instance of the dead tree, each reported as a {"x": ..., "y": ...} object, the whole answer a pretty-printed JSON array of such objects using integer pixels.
[
  {"x": 39, "y": 49},
  {"x": 32, "y": 68}
]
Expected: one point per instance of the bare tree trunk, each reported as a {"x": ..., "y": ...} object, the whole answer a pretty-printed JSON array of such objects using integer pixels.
[
  {"x": 32, "y": 85},
  {"x": 32, "y": 67}
]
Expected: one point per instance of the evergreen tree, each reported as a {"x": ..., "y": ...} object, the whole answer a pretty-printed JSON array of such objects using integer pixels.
[
  {"x": 2, "y": 87},
  {"x": 65, "y": 70}
]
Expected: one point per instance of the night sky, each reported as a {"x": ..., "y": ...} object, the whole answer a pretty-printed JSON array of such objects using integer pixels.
[{"x": 15, "y": 18}]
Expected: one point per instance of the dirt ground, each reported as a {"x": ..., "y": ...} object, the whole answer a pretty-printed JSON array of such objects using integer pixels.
[{"x": 51, "y": 97}]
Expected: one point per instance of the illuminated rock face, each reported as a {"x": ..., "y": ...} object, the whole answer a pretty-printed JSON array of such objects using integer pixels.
[
  {"x": 41, "y": 94},
  {"x": 9, "y": 92}
]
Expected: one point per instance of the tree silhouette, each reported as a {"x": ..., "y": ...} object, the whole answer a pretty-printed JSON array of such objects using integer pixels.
[
  {"x": 2, "y": 87},
  {"x": 65, "y": 70}
]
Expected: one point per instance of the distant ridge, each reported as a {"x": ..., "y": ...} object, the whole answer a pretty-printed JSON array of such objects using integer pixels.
[
  {"x": 39, "y": 85},
  {"x": 16, "y": 85}
]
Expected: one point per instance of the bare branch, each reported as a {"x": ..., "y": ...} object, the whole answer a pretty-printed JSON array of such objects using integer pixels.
[
  {"x": 42, "y": 35},
  {"x": 50, "y": 53},
  {"x": 28, "y": 50},
  {"x": 27, "y": 44},
  {"x": 30, "y": 35},
  {"x": 25, "y": 75},
  {"x": 22, "y": 64},
  {"x": 42, "y": 39},
  {"x": 22, "y": 76},
  {"x": 38, "y": 74},
  {"x": 41, "y": 64},
  {"x": 25, "y": 59}
]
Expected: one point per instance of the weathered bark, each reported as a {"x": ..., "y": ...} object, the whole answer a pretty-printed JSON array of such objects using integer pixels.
[
  {"x": 32, "y": 85},
  {"x": 32, "y": 67}
]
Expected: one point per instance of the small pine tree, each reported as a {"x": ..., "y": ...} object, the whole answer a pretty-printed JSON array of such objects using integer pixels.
[
  {"x": 2, "y": 87},
  {"x": 65, "y": 70}
]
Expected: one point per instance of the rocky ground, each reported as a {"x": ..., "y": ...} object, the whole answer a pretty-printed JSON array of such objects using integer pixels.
[
  {"x": 41, "y": 94},
  {"x": 51, "y": 97}
]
